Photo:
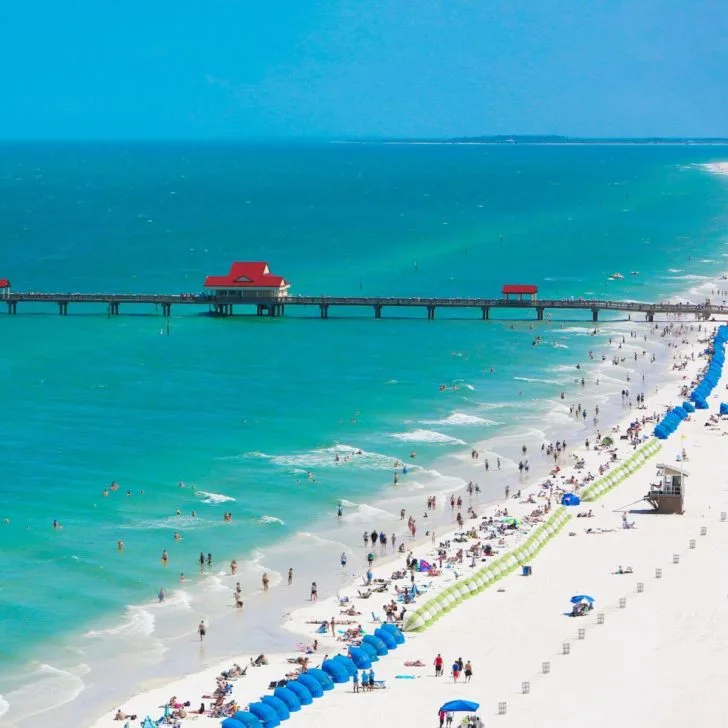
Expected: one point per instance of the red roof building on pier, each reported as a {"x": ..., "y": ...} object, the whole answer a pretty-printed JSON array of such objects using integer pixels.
[
  {"x": 248, "y": 280},
  {"x": 520, "y": 290},
  {"x": 4, "y": 287}
]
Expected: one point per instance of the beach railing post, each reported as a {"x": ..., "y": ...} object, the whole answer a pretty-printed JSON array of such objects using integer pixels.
[
  {"x": 545, "y": 668},
  {"x": 622, "y": 603},
  {"x": 582, "y": 633},
  {"x": 703, "y": 530},
  {"x": 692, "y": 543},
  {"x": 600, "y": 618},
  {"x": 676, "y": 558},
  {"x": 502, "y": 708},
  {"x": 525, "y": 687},
  {"x": 658, "y": 573},
  {"x": 565, "y": 648}
]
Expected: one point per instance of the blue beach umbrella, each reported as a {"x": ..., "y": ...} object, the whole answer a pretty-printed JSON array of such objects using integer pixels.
[
  {"x": 465, "y": 706},
  {"x": 582, "y": 598}
]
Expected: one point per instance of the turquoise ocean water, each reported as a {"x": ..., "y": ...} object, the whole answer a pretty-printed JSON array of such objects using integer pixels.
[{"x": 241, "y": 409}]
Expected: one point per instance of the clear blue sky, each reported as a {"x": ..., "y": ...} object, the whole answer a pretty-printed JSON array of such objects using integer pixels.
[{"x": 240, "y": 68}]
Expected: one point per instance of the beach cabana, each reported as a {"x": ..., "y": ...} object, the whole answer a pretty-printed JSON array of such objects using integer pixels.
[
  {"x": 313, "y": 685},
  {"x": 375, "y": 642},
  {"x": 245, "y": 718},
  {"x": 323, "y": 678},
  {"x": 278, "y": 705},
  {"x": 302, "y": 692},
  {"x": 335, "y": 670},
  {"x": 370, "y": 649},
  {"x": 395, "y": 630},
  {"x": 289, "y": 697},
  {"x": 268, "y": 717},
  {"x": 386, "y": 637},
  {"x": 347, "y": 662},
  {"x": 570, "y": 499},
  {"x": 360, "y": 658}
]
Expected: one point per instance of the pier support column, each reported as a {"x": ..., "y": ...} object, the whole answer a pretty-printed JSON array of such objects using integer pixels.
[
  {"x": 595, "y": 314},
  {"x": 486, "y": 313},
  {"x": 259, "y": 310},
  {"x": 650, "y": 316},
  {"x": 539, "y": 313},
  {"x": 166, "y": 309},
  {"x": 63, "y": 308},
  {"x": 324, "y": 310},
  {"x": 430, "y": 313},
  {"x": 281, "y": 309},
  {"x": 377, "y": 310},
  {"x": 272, "y": 310},
  {"x": 12, "y": 307}
]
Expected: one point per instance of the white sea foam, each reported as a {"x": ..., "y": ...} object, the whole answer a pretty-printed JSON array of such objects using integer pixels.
[
  {"x": 429, "y": 436},
  {"x": 460, "y": 418},
  {"x": 137, "y": 622},
  {"x": 214, "y": 498},
  {"x": 4, "y": 706},
  {"x": 349, "y": 456},
  {"x": 48, "y": 688},
  {"x": 539, "y": 380},
  {"x": 365, "y": 513},
  {"x": 271, "y": 519},
  {"x": 716, "y": 167},
  {"x": 320, "y": 540}
]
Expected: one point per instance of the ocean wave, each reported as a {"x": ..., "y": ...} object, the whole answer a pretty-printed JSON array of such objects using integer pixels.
[
  {"x": 214, "y": 498},
  {"x": 428, "y": 436},
  {"x": 48, "y": 688},
  {"x": 460, "y": 418},
  {"x": 349, "y": 456},
  {"x": 271, "y": 519},
  {"x": 137, "y": 622},
  {"x": 176, "y": 523},
  {"x": 366, "y": 513},
  {"x": 688, "y": 277},
  {"x": 178, "y": 599},
  {"x": 4, "y": 706},
  {"x": 539, "y": 380},
  {"x": 716, "y": 167}
]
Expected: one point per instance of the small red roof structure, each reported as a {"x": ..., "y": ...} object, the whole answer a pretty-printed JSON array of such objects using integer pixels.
[
  {"x": 520, "y": 290},
  {"x": 4, "y": 283},
  {"x": 249, "y": 276}
]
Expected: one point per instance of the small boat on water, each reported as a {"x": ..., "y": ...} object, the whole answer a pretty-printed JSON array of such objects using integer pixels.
[
  {"x": 615, "y": 277},
  {"x": 635, "y": 273}
]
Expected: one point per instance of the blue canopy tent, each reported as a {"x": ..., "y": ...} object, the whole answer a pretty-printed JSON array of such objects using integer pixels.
[
  {"x": 378, "y": 645},
  {"x": 701, "y": 404},
  {"x": 460, "y": 706},
  {"x": 723, "y": 408},
  {"x": 247, "y": 719},
  {"x": 347, "y": 662},
  {"x": 289, "y": 697},
  {"x": 386, "y": 637},
  {"x": 278, "y": 705},
  {"x": 688, "y": 406},
  {"x": 394, "y": 629},
  {"x": 313, "y": 685},
  {"x": 370, "y": 649},
  {"x": 570, "y": 499},
  {"x": 582, "y": 598},
  {"x": 302, "y": 692},
  {"x": 268, "y": 717},
  {"x": 360, "y": 658},
  {"x": 324, "y": 680},
  {"x": 335, "y": 670},
  {"x": 227, "y": 723},
  {"x": 149, "y": 723}
]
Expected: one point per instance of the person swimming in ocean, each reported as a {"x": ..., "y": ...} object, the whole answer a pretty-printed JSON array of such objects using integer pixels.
[{"x": 165, "y": 558}]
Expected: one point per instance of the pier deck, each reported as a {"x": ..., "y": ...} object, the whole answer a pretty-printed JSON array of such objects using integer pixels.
[{"x": 226, "y": 305}]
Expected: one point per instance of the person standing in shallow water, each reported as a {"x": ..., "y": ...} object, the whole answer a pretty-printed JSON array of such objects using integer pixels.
[
  {"x": 201, "y": 629},
  {"x": 314, "y": 591}
]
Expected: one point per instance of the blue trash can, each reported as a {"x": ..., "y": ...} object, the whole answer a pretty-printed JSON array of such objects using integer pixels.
[{"x": 526, "y": 571}]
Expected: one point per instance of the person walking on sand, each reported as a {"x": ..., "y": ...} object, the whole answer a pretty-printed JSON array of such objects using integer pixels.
[
  {"x": 455, "y": 671},
  {"x": 355, "y": 679},
  {"x": 438, "y": 665},
  {"x": 265, "y": 581},
  {"x": 201, "y": 629},
  {"x": 448, "y": 719},
  {"x": 333, "y": 627},
  {"x": 343, "y": 559},
  {"x": 314, "y": 591},
  {"x": 468, "y": 671},
  {"x": 441, "y": 716},
  {"x": 290, "y": 577}
]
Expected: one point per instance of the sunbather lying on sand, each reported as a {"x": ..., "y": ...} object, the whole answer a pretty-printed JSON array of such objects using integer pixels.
[
  {"x": 123, "y": 716},
  {"x": 415, "y": 663},
  {"x": 620, "y": 570}
]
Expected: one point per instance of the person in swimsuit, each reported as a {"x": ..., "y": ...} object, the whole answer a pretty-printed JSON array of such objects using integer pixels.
[{"x": 202, "y": 630}]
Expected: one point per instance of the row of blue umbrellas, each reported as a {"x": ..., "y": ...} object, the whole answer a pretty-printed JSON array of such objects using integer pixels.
[
  {"x": 698, "y": 397},
  {"x": 289, "y": 698}
]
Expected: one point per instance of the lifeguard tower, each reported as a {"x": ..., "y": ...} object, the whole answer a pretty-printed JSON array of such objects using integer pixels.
[{"x": 668, "y": 493}]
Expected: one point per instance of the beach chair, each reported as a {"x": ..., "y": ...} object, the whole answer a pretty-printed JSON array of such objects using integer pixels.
[
  {"x": 380, "y": 685},
  {"x": 375, "y": 619}
]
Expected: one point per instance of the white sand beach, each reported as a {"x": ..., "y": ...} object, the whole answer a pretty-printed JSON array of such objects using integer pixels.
[{"x": 652, "y": 659}]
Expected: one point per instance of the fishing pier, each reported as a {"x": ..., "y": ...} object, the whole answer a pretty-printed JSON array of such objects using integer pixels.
[{"x": 251, "y": 288}]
